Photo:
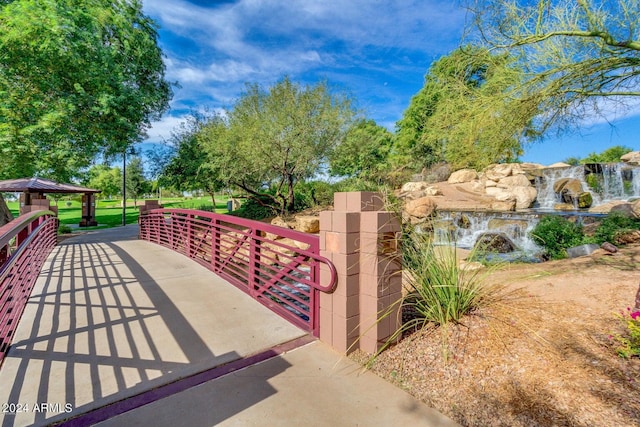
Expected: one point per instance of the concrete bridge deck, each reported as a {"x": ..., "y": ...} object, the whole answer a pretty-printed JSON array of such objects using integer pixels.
[{"x": 124, "y": 332}]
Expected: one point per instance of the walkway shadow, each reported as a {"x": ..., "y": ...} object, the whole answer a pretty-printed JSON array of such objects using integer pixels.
[{"x": 100, "y": 328}]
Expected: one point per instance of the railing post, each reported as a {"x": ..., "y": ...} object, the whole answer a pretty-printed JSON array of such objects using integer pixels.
[
  {"x": 254, "y": 263},
  {"x": 172, "y": 231},
  {"x": 215, "y": 244},
  {"x": 362, "y": 242},
  {"x": 189, "y": 239}
]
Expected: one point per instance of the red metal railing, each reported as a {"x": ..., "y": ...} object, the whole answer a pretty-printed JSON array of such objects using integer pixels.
[
  {"x": 25, "y": 244},
  {"x": 277, "y": 266}
]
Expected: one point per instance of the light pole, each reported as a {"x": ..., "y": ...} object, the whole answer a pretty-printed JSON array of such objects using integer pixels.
[
  {"x": 132, "y": 151},
  {"x": 124, "y": 187}
]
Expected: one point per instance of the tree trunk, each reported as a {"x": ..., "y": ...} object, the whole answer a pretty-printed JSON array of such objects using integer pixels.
[
  {"x": 5, "y": 213},
  {"x": 291, "y": 202}
]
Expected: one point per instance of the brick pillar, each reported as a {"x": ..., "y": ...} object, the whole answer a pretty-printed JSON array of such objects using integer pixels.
[{"x": 362, "y": 242}]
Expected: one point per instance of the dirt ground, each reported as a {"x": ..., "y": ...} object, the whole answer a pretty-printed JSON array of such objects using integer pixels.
[{"x": 543, "y": 356}]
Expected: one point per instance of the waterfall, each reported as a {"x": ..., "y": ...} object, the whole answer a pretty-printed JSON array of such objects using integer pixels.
[
  {"x": 610, "y": 181},
  {"x": 547, "y": 198},
  {"x": 620, "y": 181},
  {"x": 464, "y": 228}
]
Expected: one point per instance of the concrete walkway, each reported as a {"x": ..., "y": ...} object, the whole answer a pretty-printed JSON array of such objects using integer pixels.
[{"x": 123, "y": 332}]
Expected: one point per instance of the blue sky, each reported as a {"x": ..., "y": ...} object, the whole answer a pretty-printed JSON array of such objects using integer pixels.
[{"x": 377, "y": 50}]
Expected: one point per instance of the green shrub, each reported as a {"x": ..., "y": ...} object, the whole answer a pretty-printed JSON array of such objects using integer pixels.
[
  {"x": 313, "y": 193},
  {"x": 555, "y": 234},
  {"x": 64, "y": 229},
  {"x": 256, "y": 208},
  {"x": 613, "y": 225}
]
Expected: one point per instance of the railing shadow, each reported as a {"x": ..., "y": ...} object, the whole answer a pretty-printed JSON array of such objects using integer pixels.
[{"x": 98, "y": 329}]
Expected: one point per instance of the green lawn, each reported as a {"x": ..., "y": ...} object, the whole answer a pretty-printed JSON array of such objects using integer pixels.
[{"x": 109, "y": 212}]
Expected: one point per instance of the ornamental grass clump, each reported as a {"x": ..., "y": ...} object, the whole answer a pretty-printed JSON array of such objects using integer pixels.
[{"x": 439, "y": 290}]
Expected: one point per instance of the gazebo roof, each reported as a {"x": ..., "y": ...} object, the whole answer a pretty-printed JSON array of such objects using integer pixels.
[{"x": 40, "y": 185}]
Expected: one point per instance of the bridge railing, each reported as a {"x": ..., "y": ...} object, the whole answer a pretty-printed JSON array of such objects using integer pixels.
[
  {"x": 278, "y": 267},
  {"x": 25, "y": 244}
]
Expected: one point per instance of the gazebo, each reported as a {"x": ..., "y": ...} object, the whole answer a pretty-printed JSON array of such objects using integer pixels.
[{"x": 33, "y": 196}]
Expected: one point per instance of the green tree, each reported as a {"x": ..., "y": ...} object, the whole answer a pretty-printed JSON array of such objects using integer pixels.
[
  {"x": 277, "y": 137},
  {"x": 410, "y": 151},
  {"x": 364, "y": 152},
  {"x": 573, "y": 161},
  {"x": 105, "y": 178},
  {"x": 580, "y": 55},
  {"x": 136, "y": 183},
  {"x": 610, "y": 155},
  {"x": 77, "y": 77},
  {"x": 464, "y": 114},
  {"x": 188, "y": 168}
]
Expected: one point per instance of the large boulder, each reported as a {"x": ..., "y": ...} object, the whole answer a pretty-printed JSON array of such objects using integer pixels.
[
  {"x": 418, "y": 189},
  {"x": 462, "y": 175},
  {"x": 500, "y": 194},
  {"x": 423, "y": 207},
  {"x": 567, "y": 185},
  {"x": 635, "y": 208},
  {"x": 559, "y": 165},
  {"x": 414, "y": 186},
  {"x": 632, "y": 158},
  {"x": 625, "y": 209},
  {"x": 570, "y": 191},
  {"x": 525, "y": 196},
  {"x": 606, "y": 207},
  {"x": 584, "y": 200},
  {"x": 518, "y": 180},
  {"x": 494, "y": 242},
  {"x": 278, "y": 222},
  {"x": 308, "y": 223},
  {"x": 499, "y": 171}
]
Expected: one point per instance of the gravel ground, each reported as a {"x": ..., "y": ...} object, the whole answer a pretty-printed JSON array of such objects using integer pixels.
[{"x": 542, "y": 356}]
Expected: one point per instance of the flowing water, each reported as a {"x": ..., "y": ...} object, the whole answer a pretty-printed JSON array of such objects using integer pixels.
[
  {"x": 615, "y": 181},
  {"x": 464, "y": 228},
  {"x": 612, "y": 181}
]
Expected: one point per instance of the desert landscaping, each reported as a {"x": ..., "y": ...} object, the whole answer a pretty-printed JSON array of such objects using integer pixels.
[{"x": 542, "y": 356}]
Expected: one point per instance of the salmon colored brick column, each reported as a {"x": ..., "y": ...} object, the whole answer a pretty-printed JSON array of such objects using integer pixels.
[{"x": 362, "y": 242}]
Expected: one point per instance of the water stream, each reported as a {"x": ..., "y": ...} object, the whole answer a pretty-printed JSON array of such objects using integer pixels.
[
  {"x": 615, "y": 181},
  {"x": 464, "y": 228},
  {"x": 612, "y": 181}
]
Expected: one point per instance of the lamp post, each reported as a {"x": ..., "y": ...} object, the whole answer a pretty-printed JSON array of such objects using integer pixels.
[
  {"x": 132, "y": 151},
  {"x": 124, "y": 187}
]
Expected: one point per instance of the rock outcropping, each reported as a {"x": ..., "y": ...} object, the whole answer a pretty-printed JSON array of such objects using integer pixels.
[{"x": 500, "y": 187}]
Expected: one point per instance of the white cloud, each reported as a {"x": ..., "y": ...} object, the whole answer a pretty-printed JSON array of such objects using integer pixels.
[
  {"x": 611, "y": 110},
  {"x": 213, "y": 51},
  {"x": 161, "y": 131}
]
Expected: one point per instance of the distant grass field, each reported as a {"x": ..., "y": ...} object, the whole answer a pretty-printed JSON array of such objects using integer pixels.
[{"x": 109, "y": 212}]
